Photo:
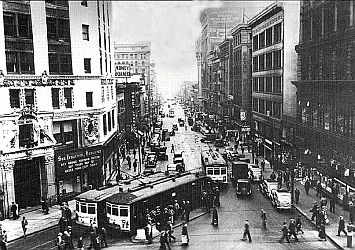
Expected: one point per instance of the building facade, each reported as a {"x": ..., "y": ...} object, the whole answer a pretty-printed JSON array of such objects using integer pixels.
[
  {"x": 274, "y": 37},
  {"x": 58, "y": 114},
  {"x": 324, "y": 137},
  {"x": 240, "y": 88}
]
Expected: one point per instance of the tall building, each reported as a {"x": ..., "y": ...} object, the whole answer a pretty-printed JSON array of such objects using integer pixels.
[
  {"x": 216, "y": 24},
  {"x": 274, "y": 60},
  {"x": 324, "y": 137},
  {"x": 136, "y": 58},
  {"x": 240, "y": 87},
  {"x": 58, "y": 113}
]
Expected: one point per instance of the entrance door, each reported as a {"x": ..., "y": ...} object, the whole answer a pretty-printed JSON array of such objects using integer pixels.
[{"x": 27, "y": 183}]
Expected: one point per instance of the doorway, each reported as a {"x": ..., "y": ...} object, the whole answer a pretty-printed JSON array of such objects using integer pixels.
[{"x": 27, "y": 182}]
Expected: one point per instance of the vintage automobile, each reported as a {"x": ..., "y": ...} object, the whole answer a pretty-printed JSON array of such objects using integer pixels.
[
  {"x": 178, "y": 159},
  {"x": 266, "y": 186},
  {"x": 181, "y": 122},
  {"x": 281, "y": 199},
  {"x": 175, "y": 127},
  {"x": 243, "y": 187},
  {"x": 255, "y": 172},
  {"x": 175, "y": 167},
  {"x": 208, "y": 138},
  {"x": 165, "y": 135},
  {"x": 150, "y": 162},
  {"x": 160, "y": 152}
]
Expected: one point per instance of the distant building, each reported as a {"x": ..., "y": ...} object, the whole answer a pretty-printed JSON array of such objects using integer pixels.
[
  {"x": 58, "y": 111},
  {"x": 324, "y": 133},
  {"x": 274, "y": 37},
  {"x": 240, "y": 87}
]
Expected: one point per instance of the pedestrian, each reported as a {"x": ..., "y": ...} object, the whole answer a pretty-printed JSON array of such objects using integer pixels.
[
  {"x": 103, "y": 237},
  {"x": 314, "y": 210},
  {"x": 68, "y": 242},
  {"x": 62, "y": 224},
  {"x": 176, "y": 208},
  {"x": 279, "y": 180},
  {"x": 332, "y": 203},
  {"x": 242, "y": 148},
  {"x": 3, "y": 240},
  {"x": 172, "y": 149},
  {"x": 183, "y": 209},
  {"x": 135, "y": 164},
  {"x": 273, "y": 175},
  {"x": 45, "y": 207},
  {"x": 297, "y": 195},
  {"x": 80, "y": 244},
  {"x": 299, "y": 224},
  {"x": 352, "y": 212},
  {"x": 341, "y": 226},
  {"x": 94, "y": 239},
  {"x": 164, "y": 240},
  {"x": 319, "y": 217},
  {"x": 292, "y": 229},
  {"x": 249, "y": 149},
  {"x": 321, "y": 233},
  {"x": 284, "y": 231},
  {"x": 24, "y": 224},
  {"x": 214, "y": 216},
  {"x": 256, "y": 161},
  {"x": 129, "y": 161},
  {"x": 14, "y": 210},
  {"x": 246, "y": 231},
  {"x": 68, "y": 214},
  {"x": 263, "y": 164},
  {"x": 319, "y": 189},
  {"x": 307, "y": 185},
  {"x": 134, "y": 153},
  {"x": 149, "y": 232},
  {"x": 263, "y": 218},
  {"x": 323, "y": 202},
  {"x": 187, "y": 211},
  {"x": 170, "y": 232},
  {"x": 184, "y": 235}
]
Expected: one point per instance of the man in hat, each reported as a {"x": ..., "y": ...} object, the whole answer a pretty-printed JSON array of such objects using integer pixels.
[{"x": 246, "y": 231}]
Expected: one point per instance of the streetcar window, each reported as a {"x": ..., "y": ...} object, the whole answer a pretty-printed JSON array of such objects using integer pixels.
[
  {"x": 115, "y": 210},
  {"x": 216, "y": 171},
  {"x": 223, "y": 171},
  {"x": 91, "y": 209},
  {"x": 83, "y": 208},
  {"x": 77, "y": 206},
  {"x": 108, "y": 208},
  {"x": 210, "y": 171},
  {"x": 124, "y": 212}
]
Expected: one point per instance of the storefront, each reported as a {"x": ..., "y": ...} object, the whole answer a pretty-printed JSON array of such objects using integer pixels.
[{"x": 78, "y": 171}]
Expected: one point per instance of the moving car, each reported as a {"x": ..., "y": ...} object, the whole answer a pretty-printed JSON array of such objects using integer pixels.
[
  {"x": 281, "y": 199},
  {"x": 150, "y": 162},
  {"x": 175, "y": 167},
  {"x": 240, "y": 178},
  {"x": 266, "y": 186},
  {"x": 255, "y": 172},
  {"x": 243, "y": 187},
  {"x": 208, "y": 138}
]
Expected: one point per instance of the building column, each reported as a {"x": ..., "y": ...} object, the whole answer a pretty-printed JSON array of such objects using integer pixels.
[
  {"x": 7, "y": 176},
  {"x": 50, "y": 190}
]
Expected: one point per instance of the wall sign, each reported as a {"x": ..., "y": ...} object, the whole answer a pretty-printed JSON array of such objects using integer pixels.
[{"x": 78, "y": 160}]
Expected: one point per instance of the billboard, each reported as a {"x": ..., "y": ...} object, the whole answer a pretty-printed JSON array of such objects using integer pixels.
[{"x": 123, "y": 70}]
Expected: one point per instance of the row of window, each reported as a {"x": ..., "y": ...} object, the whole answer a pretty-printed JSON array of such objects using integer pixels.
[
  {"x": 116, "y": 210},
  {"x": 323, "y": 116},
  {"x": 268, "y": 61},
  {"x": 16, "y": 95},
  {"x": 268, "y": 37},
  {"x": 336, "y": 17},
  {"x": 67, "y": 94},
  {"x": 135, "y": 63},
  {"x": 108, "y": 121},
  {"x": 17, "y": 25},
  {"x": 88, "y": 208},
  {"x": 329, "y": 63},
  {"x": 268, "y": 108},
  {"x": 130, "y": 56},
  {"x": 271, "y": 84},
  {"x": 64, "y": 132}
]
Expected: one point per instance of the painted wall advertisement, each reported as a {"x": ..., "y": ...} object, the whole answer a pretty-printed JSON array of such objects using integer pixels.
[{"x": 69, "y": 162}]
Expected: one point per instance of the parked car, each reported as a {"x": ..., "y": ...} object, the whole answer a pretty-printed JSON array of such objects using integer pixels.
[
  {"x": 255, "y": 171},
  {"x": 208, "y": 138},
  {"x": 175, "y": 167},
  {"x": 178, "y": 159},
  {"x": 266, "y": 186},
  {"x": 175, "y": 126},
  {"x": 150, "y": 162},
  {"x": 281, "y": 199},
  {"x": 181, "y": 122}
]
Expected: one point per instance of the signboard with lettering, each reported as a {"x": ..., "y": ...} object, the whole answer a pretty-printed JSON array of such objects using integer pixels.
[
  {"x": 123, "y": 71},
  {"x": 69, "y": 162}
]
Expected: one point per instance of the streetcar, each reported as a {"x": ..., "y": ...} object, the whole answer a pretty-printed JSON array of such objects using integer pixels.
[
  {"x": 126, "y": 204},
  {"x": 214, "y": 165}
]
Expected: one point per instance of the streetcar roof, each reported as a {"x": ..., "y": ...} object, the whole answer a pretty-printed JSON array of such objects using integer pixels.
[
  {"x": 96, "y": 195},
  {"x": 212, "y": 158},
  {"x": 148, "y": 191}
]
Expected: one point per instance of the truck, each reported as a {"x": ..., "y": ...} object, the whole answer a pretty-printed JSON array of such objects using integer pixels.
[{"x": 240, "y": 178}]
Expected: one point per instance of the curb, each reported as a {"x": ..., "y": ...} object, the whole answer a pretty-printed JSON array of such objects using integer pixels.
[
  {"x": 314, "y": 224},
  {"x": 144, "y": 242}
]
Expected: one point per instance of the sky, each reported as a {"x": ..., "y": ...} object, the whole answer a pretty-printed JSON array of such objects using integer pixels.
[{"x": 172, "y": 27}]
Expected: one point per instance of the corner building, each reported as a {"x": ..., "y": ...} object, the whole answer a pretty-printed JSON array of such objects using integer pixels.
[{"x": 58, "y": 112}]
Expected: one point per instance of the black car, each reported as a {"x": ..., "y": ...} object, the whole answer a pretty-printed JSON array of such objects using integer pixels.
[{"x": 209, "y": 138}]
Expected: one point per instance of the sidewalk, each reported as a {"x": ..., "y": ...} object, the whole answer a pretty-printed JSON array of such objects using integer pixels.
[{"x": 37, "y": 221}]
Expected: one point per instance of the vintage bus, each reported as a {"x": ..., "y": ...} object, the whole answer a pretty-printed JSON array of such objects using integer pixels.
[
  {"x": 214, "y": 165},
  {"x": 126, "y": 204}
]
